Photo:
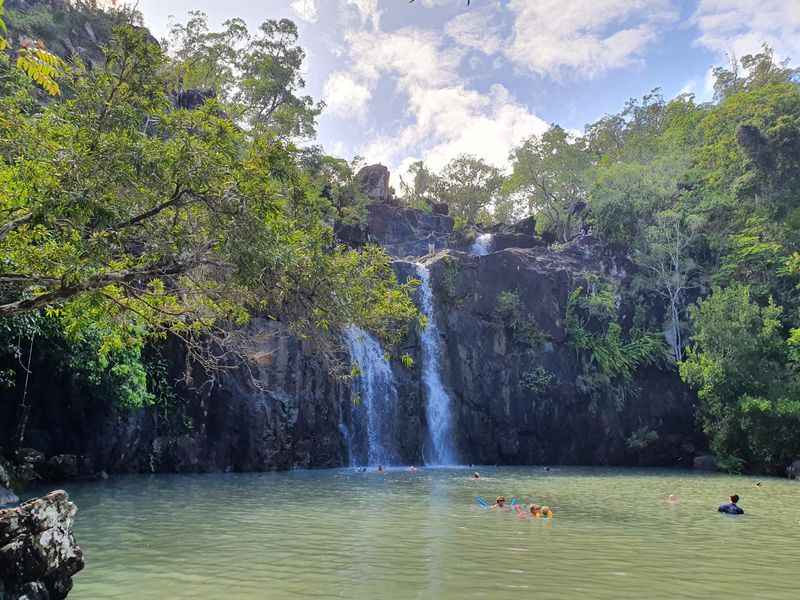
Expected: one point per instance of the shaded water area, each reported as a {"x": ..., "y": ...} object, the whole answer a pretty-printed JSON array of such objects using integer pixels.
[{"x": 342, "y": 534}]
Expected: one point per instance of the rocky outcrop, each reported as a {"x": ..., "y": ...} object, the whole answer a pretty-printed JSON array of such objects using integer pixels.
[
  {"x": 373, "y": 181},
  {"x": 406, "y": 232},
  {"x": 403, "y": 232},
  {"x": 38, "y": 553}
]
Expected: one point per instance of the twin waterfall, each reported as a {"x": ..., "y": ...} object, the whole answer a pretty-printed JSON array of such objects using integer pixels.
[
  {"x": 370, "y": 442},
  {"x": 438, "y": 408},
  {"x": 370, "y": 437}
]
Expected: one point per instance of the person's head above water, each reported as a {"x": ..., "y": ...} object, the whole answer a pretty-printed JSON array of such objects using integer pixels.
[
  {"x": 501, "y": 500},
  {"x": 536, "y": 510},
  {"x": 734, "y": 498},
  {"x": 547, "y": 511},
  {"x": 476, "y": 475}
]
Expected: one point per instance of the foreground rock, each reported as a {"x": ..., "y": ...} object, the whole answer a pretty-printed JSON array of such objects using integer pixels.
[{"x": 38, "y": 553}]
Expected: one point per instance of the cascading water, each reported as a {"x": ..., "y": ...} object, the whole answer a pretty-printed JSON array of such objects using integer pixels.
[
  {"x": 371, "y": 438},
  {"x": 482, "y": 245},
  {"x": 438, "y": 408}
]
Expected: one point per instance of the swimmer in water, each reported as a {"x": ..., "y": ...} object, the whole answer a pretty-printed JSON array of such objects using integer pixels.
[
  {"x": 536, "y": 511},
  {"x": 380, "y": 469},
  {"x": 412, "y": 468},
  {"x": 673, "y": 499},
  {"x": 547, "y": 512},
  {"x": 476, "y": 475},
  {"x": 732, "y": 508},
  {"x": 500, "y": 503}
]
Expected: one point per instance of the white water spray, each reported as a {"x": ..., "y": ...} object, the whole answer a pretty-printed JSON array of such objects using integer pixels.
[
  {"x": 482, "y": 245},
  {"x": 438, "y": 408},
  {"x": 376, "y": 387}
]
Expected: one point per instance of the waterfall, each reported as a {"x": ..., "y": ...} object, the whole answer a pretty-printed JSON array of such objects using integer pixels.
[
  {"x": 482, "y": 245},
  {"x": 373, "y": 415},
  {"x": 438, "y": 402}
]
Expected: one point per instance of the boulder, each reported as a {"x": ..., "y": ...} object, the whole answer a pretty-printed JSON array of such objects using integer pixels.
[
  {"x": 705, "y": 462},
  {"x": 373, "y": 181},
  {"x": 38, "y": 553}
]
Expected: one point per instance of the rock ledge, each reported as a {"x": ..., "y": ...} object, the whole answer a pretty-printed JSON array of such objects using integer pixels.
[{"x": 38, "y": 553}]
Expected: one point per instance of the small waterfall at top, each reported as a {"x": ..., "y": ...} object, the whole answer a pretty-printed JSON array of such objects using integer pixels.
[
  {"x": 371, "y": 438},
  {"x": 438, "y": 402},
  {"x": 482, "y": 245}
]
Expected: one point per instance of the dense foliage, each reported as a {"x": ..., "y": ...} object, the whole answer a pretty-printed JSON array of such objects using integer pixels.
[{"x": 134, "y": 210}]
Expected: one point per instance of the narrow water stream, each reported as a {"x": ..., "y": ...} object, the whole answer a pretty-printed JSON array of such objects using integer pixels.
[{"x": 438, "y": 408}]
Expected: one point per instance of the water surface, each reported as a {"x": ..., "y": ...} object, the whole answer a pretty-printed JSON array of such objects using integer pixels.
[{"x": 342, "y": 534}]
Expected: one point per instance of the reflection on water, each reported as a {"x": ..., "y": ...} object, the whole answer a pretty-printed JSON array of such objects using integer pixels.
[{"x": 341, "y": 534}]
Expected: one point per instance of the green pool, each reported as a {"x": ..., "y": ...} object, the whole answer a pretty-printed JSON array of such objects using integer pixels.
[{"x": 342, "y": 534}]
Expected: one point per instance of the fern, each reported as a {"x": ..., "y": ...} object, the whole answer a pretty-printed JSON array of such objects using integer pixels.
[{"x": 41, "y": 66}]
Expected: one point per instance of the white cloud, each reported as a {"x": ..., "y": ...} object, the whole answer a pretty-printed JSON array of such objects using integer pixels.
[
  {"x": 412, "y": 55},
  {"x": 345, "y": 97},
  {"x": 306, "y": 10},
  {"x": 739, "y": 27},
  {"x": 368, "y": 10},
  {"x": 445, "y": 117},
  {"x": 476, "y": 29},
  {"x": 584, "y": 37}
]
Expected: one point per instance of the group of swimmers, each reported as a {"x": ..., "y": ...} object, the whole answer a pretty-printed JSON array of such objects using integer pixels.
[
  {"x": 536, "y": 511},
  {"x": 539, "y": 512}
]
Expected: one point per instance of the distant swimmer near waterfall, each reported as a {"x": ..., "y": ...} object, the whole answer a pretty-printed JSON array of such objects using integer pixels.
[{"x": 731, "y": 508}]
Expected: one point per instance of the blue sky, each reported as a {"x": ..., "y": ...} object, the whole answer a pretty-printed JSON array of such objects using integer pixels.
[{"x": 433, "y": 79}]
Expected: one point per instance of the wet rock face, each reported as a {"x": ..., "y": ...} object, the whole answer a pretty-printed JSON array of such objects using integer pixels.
[
  {"x": 38, "y": 553},
  {"x": 514, "y": 403}
]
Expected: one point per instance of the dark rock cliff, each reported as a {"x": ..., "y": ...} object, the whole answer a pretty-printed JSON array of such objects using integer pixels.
[
  {"x": 290, "y": 418},
  {"x": 500, "y": 416}
]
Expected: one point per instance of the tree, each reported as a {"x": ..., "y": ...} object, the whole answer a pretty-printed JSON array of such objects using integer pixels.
[
  {"x": 760, "y": 69},
  {"x": 549, "y": 175},
  {"x": 669, "y": 268},
  {"x": 34, "y": 60},
  {"x": 258, "y": 78},
  {"x": 469, "y": 186},
  {"x": 747, "y": 383},
  {"x": 421, "y": 191},
  {"x": 120, "y": 210}
]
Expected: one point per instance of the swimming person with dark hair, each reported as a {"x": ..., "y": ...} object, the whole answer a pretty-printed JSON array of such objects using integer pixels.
[{"x": 731, "y": 508}]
